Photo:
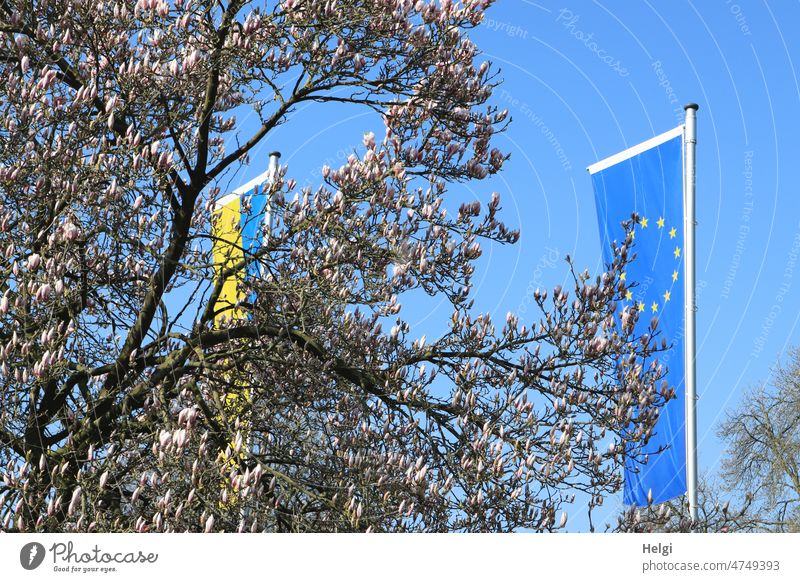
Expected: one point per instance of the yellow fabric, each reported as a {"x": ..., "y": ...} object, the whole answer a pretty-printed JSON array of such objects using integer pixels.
[{"x": 227, "y": 252}]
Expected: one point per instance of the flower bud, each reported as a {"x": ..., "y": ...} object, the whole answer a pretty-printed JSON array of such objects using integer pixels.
[{"x": 34, "y": 261}]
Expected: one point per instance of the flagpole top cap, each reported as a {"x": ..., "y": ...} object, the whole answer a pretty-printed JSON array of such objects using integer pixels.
[
  {"x": 694, "y": 106},
  {"x": 276, "y": 154}
]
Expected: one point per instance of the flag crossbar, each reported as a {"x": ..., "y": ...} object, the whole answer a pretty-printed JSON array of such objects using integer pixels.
[{"x": 635, "y": 150}]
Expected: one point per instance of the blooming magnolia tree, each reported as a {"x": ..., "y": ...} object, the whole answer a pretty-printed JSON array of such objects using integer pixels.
[{"x": 118, "y": 365}]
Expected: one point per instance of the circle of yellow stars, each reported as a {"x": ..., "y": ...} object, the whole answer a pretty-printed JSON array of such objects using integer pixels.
[{"x": 673, "y": 232}]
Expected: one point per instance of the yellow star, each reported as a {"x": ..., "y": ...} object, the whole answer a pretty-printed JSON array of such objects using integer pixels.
[
  {"x": 677, "y": 252},
  {"x": 660, "y": 222},
  {"x": 654, "y": 307},
  {"x": 672, "y": 232},
  {"x": 623, "y": 276},
  {"x": 666, "y": 296},
  {"x": 643, "y": 222},
  {"x": 633, "y": 233},
  {"x": 674, "y": 275},
  {"x": 641, "y": 306},
  {"x": 629, "y": 295}
]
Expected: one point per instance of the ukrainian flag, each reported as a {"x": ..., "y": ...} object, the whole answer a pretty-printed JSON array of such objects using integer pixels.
[{"x": 238, "y": 225}]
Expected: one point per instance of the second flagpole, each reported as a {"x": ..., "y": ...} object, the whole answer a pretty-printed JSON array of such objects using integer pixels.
[{"x": 689, "y": 144}]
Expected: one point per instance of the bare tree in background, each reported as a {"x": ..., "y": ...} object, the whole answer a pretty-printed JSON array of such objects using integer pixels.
[
  {"x": 763, "y": 447},
  {"x": 715, "y": 514},
  {"x": 758, "y": 489},
  {"x": 118, "y": 131}
]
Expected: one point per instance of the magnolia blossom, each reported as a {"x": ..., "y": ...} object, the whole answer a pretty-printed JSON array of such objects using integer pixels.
[{"x": 150, "y": 384}]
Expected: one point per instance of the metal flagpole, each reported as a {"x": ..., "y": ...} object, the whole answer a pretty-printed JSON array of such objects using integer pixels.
[
  {"x": 273, "y": 175},
  {"x": 690, "y": 306}
]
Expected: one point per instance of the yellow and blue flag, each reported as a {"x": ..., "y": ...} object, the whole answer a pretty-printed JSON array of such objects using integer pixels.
[
  {"x": 237, "y": 234},
  {"x": 647, "y": 180}
]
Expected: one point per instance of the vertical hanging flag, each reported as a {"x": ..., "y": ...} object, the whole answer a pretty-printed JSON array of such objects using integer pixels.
[
  {"x": 648, "y": 179},
  {"x": 237, "y": 233}
]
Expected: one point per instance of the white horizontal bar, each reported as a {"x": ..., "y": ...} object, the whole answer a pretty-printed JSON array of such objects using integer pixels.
[
  {"x": 635, "y": 150},
  {"x": 183, "y": 556},
  {"x": 260, "y": 179}
]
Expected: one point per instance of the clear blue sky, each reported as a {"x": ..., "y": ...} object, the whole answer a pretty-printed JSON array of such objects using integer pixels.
[{"x": 585, "y": 79}]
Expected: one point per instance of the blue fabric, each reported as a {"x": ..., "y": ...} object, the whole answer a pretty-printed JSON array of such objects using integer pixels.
[
  {"x": 251, "y": 224},
  {"x": 651, "y": 184}
]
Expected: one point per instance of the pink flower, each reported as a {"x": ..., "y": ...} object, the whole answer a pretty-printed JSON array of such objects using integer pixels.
[
  {"x": 34, "y": 261},
  {"x": 73, "y": 504},
  {"x": 369, "y": 140},
  {"x": 71, "y": 232}
]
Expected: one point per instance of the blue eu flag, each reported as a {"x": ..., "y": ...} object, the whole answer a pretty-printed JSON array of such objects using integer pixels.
[{"x": 648, "y": 180}]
